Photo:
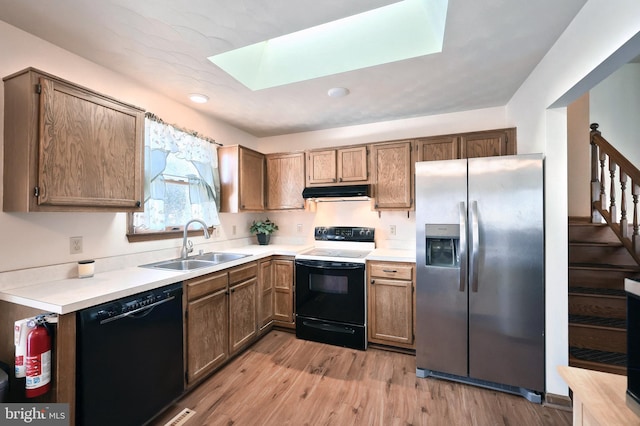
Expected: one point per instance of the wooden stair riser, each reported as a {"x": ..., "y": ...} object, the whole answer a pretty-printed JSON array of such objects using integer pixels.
[
  {"x": 596, "y": 233},
  {"x": 613, "y": 369},
  {"x": 592, "y": 305},
  {"x": 596, "y": 254},
  {"x": 598, "y": 338},
  {"x": 598, "y": 278}
]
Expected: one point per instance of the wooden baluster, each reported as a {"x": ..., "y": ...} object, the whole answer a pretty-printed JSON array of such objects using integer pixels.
[
  {"x": 613, "y": 211},
  {"x": 603, "y": 194},
  {"x": 624, "y": 226},
  {"x": 635, "y": 238}
]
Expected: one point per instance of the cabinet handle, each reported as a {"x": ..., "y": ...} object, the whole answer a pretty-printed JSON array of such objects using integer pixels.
[
  {"x": 389, "y": 271},
  {"x": 138, "y": 203},
  {"x": 373, "y": 282},
  {"x": 340, "y": 180}
]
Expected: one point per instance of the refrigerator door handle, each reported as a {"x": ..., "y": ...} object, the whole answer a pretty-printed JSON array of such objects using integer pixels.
[
  {"x": 463, "y": 246},
  {"x": 473, "y": 264}
]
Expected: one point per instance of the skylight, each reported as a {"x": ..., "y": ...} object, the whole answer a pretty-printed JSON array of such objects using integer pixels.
[{"x": 399, "y": 31}]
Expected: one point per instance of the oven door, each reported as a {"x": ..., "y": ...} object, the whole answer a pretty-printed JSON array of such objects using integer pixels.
[{"x": 333, "y": 291}]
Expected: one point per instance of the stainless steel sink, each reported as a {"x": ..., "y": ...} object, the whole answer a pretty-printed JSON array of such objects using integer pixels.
[
  {"x": 219, "y": 257},
  {"x": 179, "y": 264},
  {"x": 195, "y": 262}
]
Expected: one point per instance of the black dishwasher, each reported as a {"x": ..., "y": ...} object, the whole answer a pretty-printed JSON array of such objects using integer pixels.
[{"x": 130, "y": 358}]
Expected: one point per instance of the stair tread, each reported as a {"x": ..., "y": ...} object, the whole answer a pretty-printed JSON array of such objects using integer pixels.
[
  {"x": 598, "y": 291},
  {"x": 598, "y": 321},
  {"x": 586, "y": 243},
  {"x": 605, "y": 266},
  {"x": 603, "y": 357}
]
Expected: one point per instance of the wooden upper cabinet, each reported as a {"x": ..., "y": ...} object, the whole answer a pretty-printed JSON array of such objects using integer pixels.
[
  {"x": 392, "y": 170},
  {"x": 338, "y": 166},
  {"x": 242, "y": 175},
  {"x": 285, "y": 181},
  {"x": 487, "y": 144},
  {"x": 67, "y": 148},
  {"x": 467, "y": 145},
  {"x": 352, "y": 165},
  {"x": 437, "y": 148},
  {"x": 321, "y": 167}
]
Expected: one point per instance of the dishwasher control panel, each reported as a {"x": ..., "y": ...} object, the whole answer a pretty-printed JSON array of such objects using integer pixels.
[{"x": 134, "y": 304}]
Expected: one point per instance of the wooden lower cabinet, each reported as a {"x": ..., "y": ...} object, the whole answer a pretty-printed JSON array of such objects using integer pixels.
[
  {"x": 265, "y": 295},
  {"x": 243, "y": 304},
  {"x": 206, "y": 325},
  {"x": 283, "y": 284},
  {"x": 220, "y": 318},
  {"x": 391, "y": 303}
]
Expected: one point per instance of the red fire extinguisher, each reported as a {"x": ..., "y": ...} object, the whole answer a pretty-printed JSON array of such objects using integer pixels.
[{"x": 38, "y": 359}]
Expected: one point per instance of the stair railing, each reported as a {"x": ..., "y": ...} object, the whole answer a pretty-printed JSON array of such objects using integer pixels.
[{"x": 621, "y": 170}]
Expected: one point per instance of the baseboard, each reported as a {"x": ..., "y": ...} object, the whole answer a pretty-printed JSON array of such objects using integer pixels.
[{"x": 559, "y": 402}]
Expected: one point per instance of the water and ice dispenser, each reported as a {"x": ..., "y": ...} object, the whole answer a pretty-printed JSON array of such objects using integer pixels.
[{"x": 442, "y": 245}]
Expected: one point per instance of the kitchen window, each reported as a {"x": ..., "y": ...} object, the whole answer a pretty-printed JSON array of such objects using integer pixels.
[{"x": 182, "y": 182}]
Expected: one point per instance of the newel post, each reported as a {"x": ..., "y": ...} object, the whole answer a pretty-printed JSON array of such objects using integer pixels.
[{"x": 596, "y": 187}]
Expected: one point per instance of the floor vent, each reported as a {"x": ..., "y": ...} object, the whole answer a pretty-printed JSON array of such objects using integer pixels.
[{"x": 181, "y": 418}]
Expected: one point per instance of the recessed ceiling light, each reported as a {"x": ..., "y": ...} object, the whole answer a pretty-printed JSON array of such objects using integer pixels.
[
  {"x": 198, "y": 98},
  {"x": 338, "y": 92}
]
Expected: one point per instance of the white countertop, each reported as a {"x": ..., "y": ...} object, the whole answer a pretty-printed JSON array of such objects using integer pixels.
[
  {"x": 392, "y": 255},
  {"x": 72, "y": 294}
]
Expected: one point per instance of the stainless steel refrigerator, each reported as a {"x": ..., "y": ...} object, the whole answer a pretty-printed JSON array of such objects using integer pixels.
[{"x": 480, "y": 272}]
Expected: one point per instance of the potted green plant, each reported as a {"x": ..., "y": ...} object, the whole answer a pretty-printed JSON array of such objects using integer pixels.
[{"x": 263, "y": 230}]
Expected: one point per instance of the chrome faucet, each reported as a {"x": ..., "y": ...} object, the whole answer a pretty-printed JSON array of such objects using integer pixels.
[{"x": 186, "y": 250}]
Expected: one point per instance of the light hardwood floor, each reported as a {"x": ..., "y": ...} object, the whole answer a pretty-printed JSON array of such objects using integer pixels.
[{"x": 281, "y": 380}]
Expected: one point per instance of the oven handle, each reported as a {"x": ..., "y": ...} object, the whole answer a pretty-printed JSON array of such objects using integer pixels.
[{"x": 334, "y": 266}]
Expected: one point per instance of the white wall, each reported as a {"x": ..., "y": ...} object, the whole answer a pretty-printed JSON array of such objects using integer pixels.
[
  {"x": 579, "y": 158},
  {"x": 615, "y": 105},
  {"x": 39, "y": 239},
  {"x": 570, "y": 68}
]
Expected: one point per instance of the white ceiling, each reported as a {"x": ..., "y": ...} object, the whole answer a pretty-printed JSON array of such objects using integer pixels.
[{"x": 490, "y": 47}]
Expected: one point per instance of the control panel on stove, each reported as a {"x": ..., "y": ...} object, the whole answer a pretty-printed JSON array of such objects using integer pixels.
[{"x": 344, "y": 233}]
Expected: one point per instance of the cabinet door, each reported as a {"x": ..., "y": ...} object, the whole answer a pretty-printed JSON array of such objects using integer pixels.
[
  {"x": 90, "y": 151},
  {"x": 390, "y": 311},
  {"x": 242, "y": 314},
  {"x": 207, "y": 345},
  {"x": 321, "y": 167},
  {"x": 265, "y": 294},
  {"x": 283, "y": 285},
  {"x": 285, "y": 181},
  {"x": 352, "y": 164},
  {"x": 393, "y": 175},
  {"x": 437, "y": 148},
  {"x": 484, "y": 144},
  {"x": 251, "y": 176}
]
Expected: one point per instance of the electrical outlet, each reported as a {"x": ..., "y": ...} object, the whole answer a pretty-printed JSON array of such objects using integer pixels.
[
  {"x": 75, "y": 245},
  {"x": 392, "y": 229},
  {"x": 233, "y": 230},
  {"x": 299, "y": 228}
]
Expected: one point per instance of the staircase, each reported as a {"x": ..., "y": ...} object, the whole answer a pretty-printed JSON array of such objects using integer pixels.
[{"x": 598, "y": 265}]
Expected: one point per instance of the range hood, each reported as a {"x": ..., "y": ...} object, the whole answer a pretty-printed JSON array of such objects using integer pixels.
[{"x": 338, "y": 193}]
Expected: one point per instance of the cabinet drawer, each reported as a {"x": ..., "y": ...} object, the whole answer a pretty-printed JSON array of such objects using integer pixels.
[
  {"x": 206, "y": 284},
  {"x": 242, "y": 273},
  {"x": 392, "y": 270}
]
